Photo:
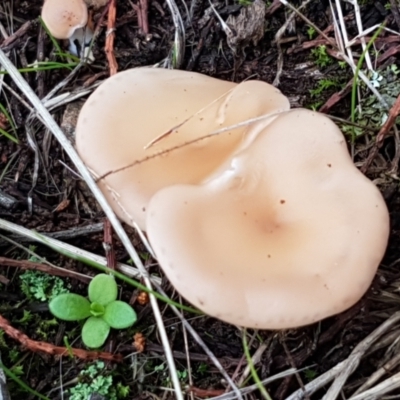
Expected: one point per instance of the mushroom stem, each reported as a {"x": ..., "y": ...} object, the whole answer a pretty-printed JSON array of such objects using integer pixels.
[{"x": 79, "y": 43}]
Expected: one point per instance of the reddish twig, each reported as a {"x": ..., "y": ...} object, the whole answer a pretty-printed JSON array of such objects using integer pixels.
[
  {"x": 110, "y": 36},
  {"x": 205, "y": 393},
  {"x": 275, "y": 6},
  {"x": 36, "y": 346},
  {"x": 108, "y": 245},
  {"x": 25, "y": 264},
  {"x": 336, "y": 97},
  {"x": 142, "y": 11},
  {"x": 23, "y": 30},
  {"x": 388, "y": 53},
  {"x": 383, "y": 132}
]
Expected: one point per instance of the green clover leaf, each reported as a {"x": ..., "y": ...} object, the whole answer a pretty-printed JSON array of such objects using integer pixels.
[
  {"x": 103, "y": 311},
  {"x": 95, "y": 332},
  {"x": 103, "y": 289},
  {"x": 70, "y": 307},
  {"x": 119, "y": 315}
]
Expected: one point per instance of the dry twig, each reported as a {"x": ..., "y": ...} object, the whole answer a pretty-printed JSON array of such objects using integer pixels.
[
  {"x": 26, "y": 264},
  {"x": 109, "y": 245},
  {"x": 50, "y": 241},
  {"x": 48, "y": 348},
  {"x": 110, "y": 36},
  {"x": 353, "y": 360}
]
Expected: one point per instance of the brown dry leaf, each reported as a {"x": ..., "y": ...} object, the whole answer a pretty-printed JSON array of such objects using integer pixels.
[
  {"x": 62, "y": 206},
  {"x": 248, "y": 27},
  {"x": 143, "y": 298},
  {"x": 96, "y": 3},
  {"x": 139, "y": 342},
  {"x": 3, "y": 121}
]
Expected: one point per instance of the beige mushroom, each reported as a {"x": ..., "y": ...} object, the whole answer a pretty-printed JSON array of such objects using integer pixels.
[
  {"x": 132, "y": 108},
  {"x": 287, "y": 233},
  {"x": 63, "y": 18}
]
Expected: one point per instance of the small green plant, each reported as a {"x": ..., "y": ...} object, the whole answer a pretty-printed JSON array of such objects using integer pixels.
[
  {"x": 202, "y": 368},
  {"x": 321, "y": 57},
  {"x": 395, "y": 69},
  {"x": 102, "y": 311},
  {"x": 322, "y": 85},
  {"x": 14, "y": 355},
  {"x": 93, "y": 380},
  {"x": 26, "y": 318},
  {"x": 311, "y": 32},
  {"x": 13, "y": 136},
  {"x": 40, "y": 286},
  {"x": 310, "y": 374}
]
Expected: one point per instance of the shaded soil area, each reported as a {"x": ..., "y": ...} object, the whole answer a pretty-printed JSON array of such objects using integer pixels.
[{"x": 49, "y": 197}]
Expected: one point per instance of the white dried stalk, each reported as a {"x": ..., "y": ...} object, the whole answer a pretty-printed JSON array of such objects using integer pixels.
[
  {"x": 65, "y": 143},
  {"x": 387, "y": 367},
  {"x": 317, "y": 383},
  {"x": 352, "y": 362},
  {"x": 342, "y": 370},
  {"x": 378, "y": 392},
  {"x": 343, "y": 32},
  {"x": 178, "y": 51},
  {"x": 49, "y": 241},
  {"x": 344, "y": 56},
  {"x": 369, "y": 30},
  {"x": 252, "y": 388},
  {"x": 360, "y": 29},
  {"x": 224, "y": 25},
  {"x": 69, "y": 97},
  {"x": 42, "y": 260}
]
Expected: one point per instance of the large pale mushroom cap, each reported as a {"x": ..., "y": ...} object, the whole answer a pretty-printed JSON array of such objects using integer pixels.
[
  {"x": 134, "y": 107},
  {"x": 63, "y": 17},
  {"x": 288, "y": 233}
]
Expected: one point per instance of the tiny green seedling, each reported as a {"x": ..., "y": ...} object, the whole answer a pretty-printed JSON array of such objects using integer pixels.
[
  {"x": 321, "y": 56},
  {"x": 102, "y": 311}
]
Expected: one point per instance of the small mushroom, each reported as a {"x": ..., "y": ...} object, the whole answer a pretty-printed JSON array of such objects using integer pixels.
[
  {"x": 132, "y": 108},
  {"x": 69, "y": 20},
  {"x": 63, "y": 18},
  {"x": 287, "y": 233}
]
